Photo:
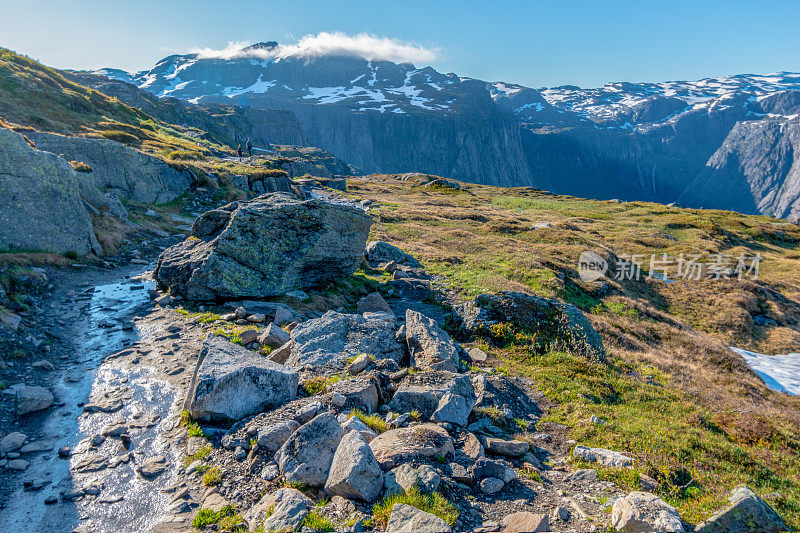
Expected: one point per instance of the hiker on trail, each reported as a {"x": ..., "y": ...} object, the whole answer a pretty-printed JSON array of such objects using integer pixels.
[
  {"x": 250, "y": 147},
  {"x": 239, "y": 151}
]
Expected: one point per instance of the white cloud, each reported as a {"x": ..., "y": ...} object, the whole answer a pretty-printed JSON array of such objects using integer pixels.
[{"x": 366, "y": 46}]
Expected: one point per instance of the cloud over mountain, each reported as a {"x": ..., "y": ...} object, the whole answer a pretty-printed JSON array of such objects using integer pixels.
[{"x": 367, "y": 46}]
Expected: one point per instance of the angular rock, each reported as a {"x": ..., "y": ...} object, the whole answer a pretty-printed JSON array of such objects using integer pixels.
[
  {"x": 383, "y": 252},
  {"x": 265, "y": 247},
  {"x": 289, "y": 508},
  {"x": 404, "y": 477},
  {"x": 248, "y": 336},
  {"x": 18, "y": 464},
  {"x": 307, "y": 455},
  {"x": 335, "y": 337},
  {"x": 354, "y": 473},
  {"x": 453, "y": 409},
  {"x": 359, "y": 393},
  {"x": 422, "y": 391},
  {"x": 271, "y": 438},
  {"x": 358, "y": 366},
  {"x": 354, "y": 424},
  {"x": 509, "y": 448},
  {"x": 373, "y": 303},
  {"x": 484, "y": 468},
  {"x": 12, "y": 442},
  {"x": 490, "y": 485},
  {"x": 602, "y": 456},
  {"x": 746, "y": 512},
  {"x": 472, "y": 447},
  {"x": 32, "y": 398},
  {"x": 642, "y": 512},
  {"x": 408, "y": 519},
  {"x": 274, "y": 336},
  {"x": 551, "y": 320},
  {"x": 477, "y": 355},
  {"x": 231, "y": 382},
  {"x": 153, "y": 467},
  {"x": 429, "y": 345},
  {"x": 525, "y": 522},
  {"x": 404, "y": 444},
  {"x": 283, "y": 316}
]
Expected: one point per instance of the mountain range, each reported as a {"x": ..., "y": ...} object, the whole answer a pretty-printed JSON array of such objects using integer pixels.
[{"x": 729, "y": 142}]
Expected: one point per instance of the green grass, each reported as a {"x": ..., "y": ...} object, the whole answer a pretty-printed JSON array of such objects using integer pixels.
[
  {"x": 212, "y": 477},
  {"x": 199, "y": 455},
  {"x": 374, "y": 422},
  {"x": 319, "y": 384},
  {"x": 226, "y": 519},
  {"x": 192, "y": 428},
  {"x": 433, "y": 503},
  {"x": 317, "y": 522}
]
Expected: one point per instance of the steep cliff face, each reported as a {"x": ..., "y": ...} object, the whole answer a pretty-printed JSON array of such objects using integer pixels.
[{"x": 756, "y": 170}]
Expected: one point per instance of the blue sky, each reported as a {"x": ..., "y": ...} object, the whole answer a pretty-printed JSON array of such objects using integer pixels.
[{"x": 586, "y": 43}]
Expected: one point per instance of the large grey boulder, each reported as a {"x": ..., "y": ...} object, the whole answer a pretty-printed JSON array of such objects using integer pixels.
[
  {"x": 41, "y": 207},
  {"x": 308, "y": 454},
  {"x": 335, "y": 337},
  {"x": 271, "y": 438},
  {"x": 642, "y": 512},
  {"x": 425, "y": 441},
  {"x": 231, "y": 382},
  {"x": 602, "y": 456},
  {"x": 354, "y": 473},
  {"x": 746, "y": 512},
  {"x": 30, "y": 398},
  {"x": 408, "y": 519},
  {"x": 283, "y": 510},
  {"x": 268, "y": 246},
  {"x": 405, "y": 477},
  {"x": 119, "y": 168},
  {"x": 429, "y": 345},
  {"x": 553, "y": 322},
  {"x": 424, "y": 392}
]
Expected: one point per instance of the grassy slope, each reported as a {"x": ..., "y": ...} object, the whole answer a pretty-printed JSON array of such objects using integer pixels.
[{"x": 696, "y": 418}]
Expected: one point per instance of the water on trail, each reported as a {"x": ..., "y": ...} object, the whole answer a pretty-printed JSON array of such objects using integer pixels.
[{"x": 113, "y": 498}]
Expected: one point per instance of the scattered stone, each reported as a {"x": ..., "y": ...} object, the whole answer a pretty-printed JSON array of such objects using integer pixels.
[
  {"x": 17, "y": 464},
  {"x": 476, "y": 355},
  {"x": 271, "y": 438},
  {"x": 164, "y": 301},
  {"x": 647, "y": 483},
  {"x": 490, "y": 485},
  {"x": 338, "y": 400},
  {"x": 307, "y": 455},
  {"x": 408, "y": 519},
  {"x": 509, "y": 448},
  {"x": 153, "y": 467},
  {"x": 64, "y": 452},
  {"x": 746, "y": 512},
  {"x": 525, "y": 522},
  {"x": 274, "y": 336},
  {"x": 484, "y": 468},
  {"x": 586, "y": 475},
  {"x": 43, "y": 364},
  {"x": 264, "y": 247},
  {"x": 283, "y": 316},
  {"x": 283, "y": 510},
  {"x": 642, "y": 512},
  {"x": 355, "y": 424},
  {"x": 37, "y": 447},
  {"x": 231, "y": 382},
  {"x": 472, "y": 447},
  {"x": 404, "y": 444},
  {"x": 12, "y": 442},
  {"x": 602, "y": 456},
  {"x": 299, "y": 295},
  {"x": 405, "y": 476},
  {"x": 422, "y": 392},
  {"x": 258, "y": 318},
  {"x": 50, "y": 500},
  {"x": 373, "y": 303},
  {"x": 429, "y": 345},
  {"x": 359, "y": 393},
  {"x": 31, "y": 398},
  {"x": 91, "y": 463},
  {"x": 383, "y": 252},
  {"x": 354, "y": 473},
  {"x": 358, "y": 366},
  {"x": 452, "y": 409}
]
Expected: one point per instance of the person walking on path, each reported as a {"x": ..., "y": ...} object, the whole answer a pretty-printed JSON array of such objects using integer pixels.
[
  {"x": 249, "y": 147},
  {"x": 239, "y": 151}
]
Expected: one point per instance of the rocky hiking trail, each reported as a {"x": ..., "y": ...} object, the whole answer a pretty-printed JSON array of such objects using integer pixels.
[{"x": 359, "y": 405}]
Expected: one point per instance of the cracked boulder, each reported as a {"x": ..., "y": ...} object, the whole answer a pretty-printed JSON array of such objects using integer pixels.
[
  {"x": 745, "y": 512},
  {"x": 643, "y": 512},
  {"x": 407, "y": 444},
  {"x": 231, "y": 382},
  {"x": 307, "y": 455},
  {"x": 433, "y": 391},
  {"x": 354, "y": 473},
  {"x": 267, "y": 246},
  {"x": 429, "y": 345},
  {"x": 335, "y": 337}
]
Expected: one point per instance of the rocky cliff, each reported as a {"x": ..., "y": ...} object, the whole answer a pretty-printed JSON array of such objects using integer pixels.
[{"x": 42, "y": 207}]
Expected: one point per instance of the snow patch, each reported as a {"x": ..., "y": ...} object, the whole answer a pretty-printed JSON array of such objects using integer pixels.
[{"x": 779, "y": 372}]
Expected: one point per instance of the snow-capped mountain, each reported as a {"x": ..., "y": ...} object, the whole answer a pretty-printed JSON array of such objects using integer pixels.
[{"x": 644, "y": 141}]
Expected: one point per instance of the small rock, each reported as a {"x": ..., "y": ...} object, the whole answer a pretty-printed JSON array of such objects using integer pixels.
[
  {"x": 509, "y": 448},
  {"x": 525, "y": 521},
  {"x": 17, "y": 464},
  {"x": 240, "y": 312},
  {"x": 248, "y": 336},
  {"x": 274, "y": 336},
  {"x": 358, "y": 365},
  {"x": 283, "y": 316},
  {"x": 490, "y": 485},
  {"x": 258, "y": 318},
  {"x": 602, "y": 456},
  {"x": 43, "y": 365},
  {"x": 12, "y": 442},
  {"x": 642, "y": 512},
  {"x": 152, "y": 467}
]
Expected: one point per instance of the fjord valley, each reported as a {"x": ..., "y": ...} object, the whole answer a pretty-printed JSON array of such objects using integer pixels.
[{"x": 374, "y": 316}]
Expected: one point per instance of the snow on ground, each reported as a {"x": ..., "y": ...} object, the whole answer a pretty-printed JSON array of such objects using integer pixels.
[
  {"x": 260, "y": 86},
  {"x": 779, "y": 372}
]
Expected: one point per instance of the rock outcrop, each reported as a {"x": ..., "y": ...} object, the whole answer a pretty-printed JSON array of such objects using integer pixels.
[
  {"x": 308, "y": 454},
  {"x": 42, "y": 208},
  {"x": 429, "y": 345},
  {"x": 231, "y": 382},
  {"x": 120, "y": 169},
  {"x": 746, "y": 512},
  {"x": 354, "y": 473},
  {"x": 641, "y": 512},
  {"x": 266, "y": 247}
]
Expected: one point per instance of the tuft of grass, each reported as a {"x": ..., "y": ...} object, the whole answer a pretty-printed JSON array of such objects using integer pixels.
[
  {"x": 433, "y": 503},
  {"x": 212, "y": 477},
  {"x": 192, "y": 428},
  {"x": 374, "y": 422},
  {"x": 199, "y": 455},
  {"x": 226, "y": 519},
  {"x": 316, "y": 522},
  {"x": 319, "y": 384},
  {"x": 80, "y": 166}
]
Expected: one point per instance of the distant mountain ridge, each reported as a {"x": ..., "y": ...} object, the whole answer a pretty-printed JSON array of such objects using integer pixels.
[{"x": 634, "y": 141}]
